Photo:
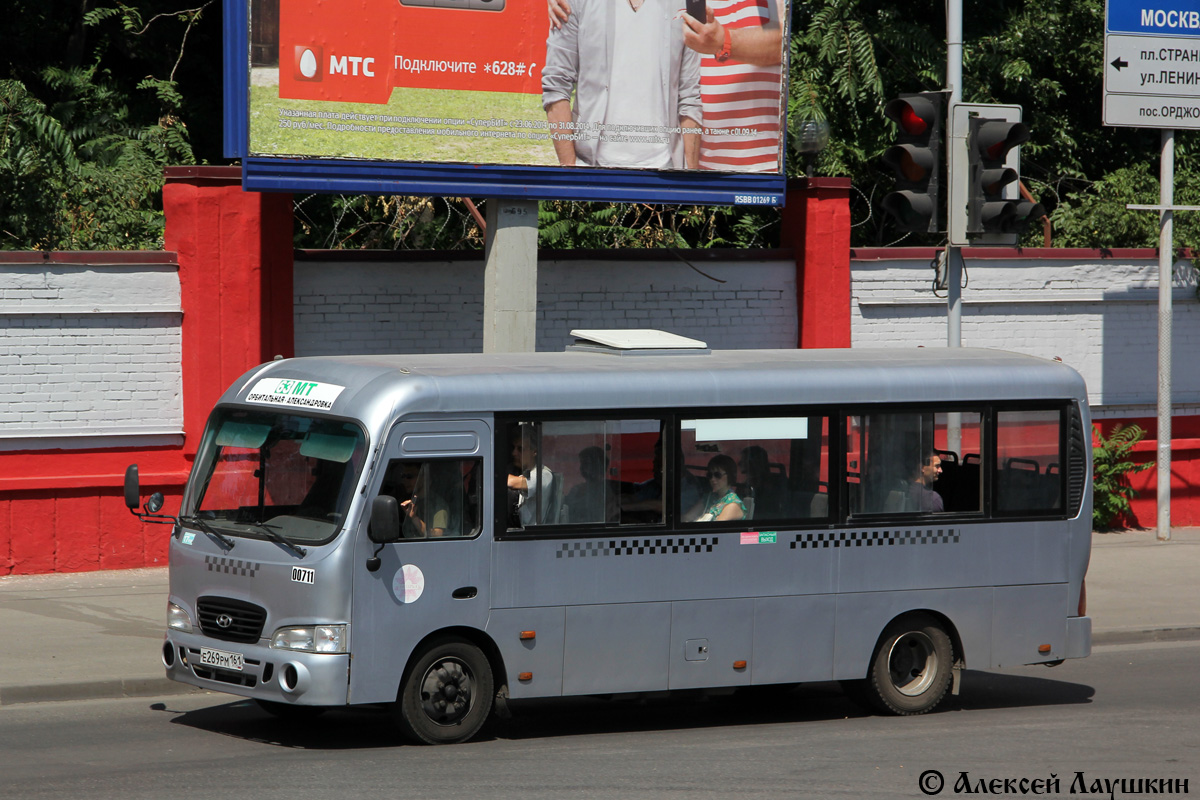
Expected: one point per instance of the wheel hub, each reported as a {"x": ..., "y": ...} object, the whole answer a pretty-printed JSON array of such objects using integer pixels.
[
  {"x": 446, "y": 692},
  {"x": 912, "y": 664}
]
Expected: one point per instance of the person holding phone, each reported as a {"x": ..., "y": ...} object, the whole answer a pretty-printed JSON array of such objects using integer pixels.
[{"x": 741, "y": 44}]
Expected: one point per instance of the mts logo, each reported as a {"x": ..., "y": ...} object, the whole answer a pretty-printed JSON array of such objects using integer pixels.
[
  {"x": 309, "y": 59},
  {"x": 306, "y": 63},
  {"x": 357, "y": 65}
]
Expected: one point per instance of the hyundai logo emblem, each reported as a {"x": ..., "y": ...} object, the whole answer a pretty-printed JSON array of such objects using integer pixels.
[{"x": 224, "y": 620}]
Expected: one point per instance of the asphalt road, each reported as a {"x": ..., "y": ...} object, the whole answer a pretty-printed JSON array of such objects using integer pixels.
[{"x": 1129, "y": 711}]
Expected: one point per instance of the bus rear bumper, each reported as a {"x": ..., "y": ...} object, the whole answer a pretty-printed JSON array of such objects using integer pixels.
[
  {"x": 1079, "y": 637},
  {"x": 294, "y": 678}
]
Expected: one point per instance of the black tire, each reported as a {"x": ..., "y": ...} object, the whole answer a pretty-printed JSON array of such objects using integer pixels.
[
  {"x": 447, "y": 695},
  {"x": 911, "y": 669},
  {"x": 290, "y": 712}
]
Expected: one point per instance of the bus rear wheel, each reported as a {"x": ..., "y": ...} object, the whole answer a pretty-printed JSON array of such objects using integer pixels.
[
  {"x": 447, "y": 694},
  {"x": 911, "y": 669}
]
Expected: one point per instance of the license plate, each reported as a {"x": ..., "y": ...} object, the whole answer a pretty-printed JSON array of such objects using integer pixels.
[{"x": 219, "y": 658}]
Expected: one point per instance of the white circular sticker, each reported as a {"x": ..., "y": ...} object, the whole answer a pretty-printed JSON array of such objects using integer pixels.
[{"x": 408, "y": 584}]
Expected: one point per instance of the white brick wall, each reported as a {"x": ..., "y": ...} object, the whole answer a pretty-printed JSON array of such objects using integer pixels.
[
  {"x": 89, "y": 352},
  {"x": 437, "y": 307},
  {"x": 1098, "y": 316},
  {"x": 95, "y": 351}
]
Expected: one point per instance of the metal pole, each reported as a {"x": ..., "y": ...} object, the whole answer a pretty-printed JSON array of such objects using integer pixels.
[
  {"x": 954, "y": 259},
  {"x": 1166, "y": 271},
  {"x": 954, "y": 46},
  {"x": 954, "y": 269}
]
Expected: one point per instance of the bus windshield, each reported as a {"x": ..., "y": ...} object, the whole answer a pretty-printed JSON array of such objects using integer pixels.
[{"x": 268, "y": 475}]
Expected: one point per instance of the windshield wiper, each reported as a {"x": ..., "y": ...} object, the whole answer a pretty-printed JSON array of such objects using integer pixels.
[
  {"x": 279, "y": 538},
  {"x": 210, "y": 530}
]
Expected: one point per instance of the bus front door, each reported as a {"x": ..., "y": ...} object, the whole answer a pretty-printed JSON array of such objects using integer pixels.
[{"x": 437, "y": 576}]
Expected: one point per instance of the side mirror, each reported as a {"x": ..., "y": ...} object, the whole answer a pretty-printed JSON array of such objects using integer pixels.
[
  {"x": 133, "y": 495},
  {"x": 385, "y": 520},
  {"x": 133, "y": 498}
]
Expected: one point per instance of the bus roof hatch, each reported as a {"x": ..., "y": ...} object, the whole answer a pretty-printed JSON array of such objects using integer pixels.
[{"x": 638, "y": 341}]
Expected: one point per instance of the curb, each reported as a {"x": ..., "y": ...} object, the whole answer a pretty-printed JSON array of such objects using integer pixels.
[
  {"x": 1146, "y": 636},
  {"x": 92, "y": 690}
]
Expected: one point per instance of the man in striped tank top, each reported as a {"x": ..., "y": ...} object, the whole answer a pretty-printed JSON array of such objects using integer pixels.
[{"x": 741, "y": 44}]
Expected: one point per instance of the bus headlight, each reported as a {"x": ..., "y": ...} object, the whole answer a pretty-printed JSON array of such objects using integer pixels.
[
  {"x": 311, "y": 638},
  {"x": 178, "y": 619}
]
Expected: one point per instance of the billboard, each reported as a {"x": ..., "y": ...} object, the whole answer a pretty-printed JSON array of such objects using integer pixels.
[{"x": 615, "y": 99}]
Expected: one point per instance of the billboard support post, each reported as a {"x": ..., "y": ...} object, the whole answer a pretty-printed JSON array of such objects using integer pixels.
[{"x": 510, "y": 276}]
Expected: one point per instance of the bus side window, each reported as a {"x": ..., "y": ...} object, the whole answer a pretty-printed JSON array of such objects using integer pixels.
[
  {"x": 908, "y": 462},
  {"x": 1028, "y": 459},
  {"x": 772, "y": 468},
  {"x": 595, "y": 473}
]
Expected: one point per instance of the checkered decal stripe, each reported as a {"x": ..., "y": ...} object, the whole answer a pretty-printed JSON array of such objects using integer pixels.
[
  {"x": 812, "y": 541},
  {"x": 232, "y": 566},
  {"x": 638, "y": 547}
]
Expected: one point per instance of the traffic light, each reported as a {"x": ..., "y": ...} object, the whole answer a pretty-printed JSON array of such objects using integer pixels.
[
  {"x": 991, "y": 171},
  {"x": 914, "y": 157}
]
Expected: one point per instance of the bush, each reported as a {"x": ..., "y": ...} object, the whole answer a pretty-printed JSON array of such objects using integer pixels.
[{"x": 1111, "y": 469}]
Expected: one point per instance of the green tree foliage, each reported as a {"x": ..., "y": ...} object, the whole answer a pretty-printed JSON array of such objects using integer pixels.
[
  {"x": 1111, "y": 468},
  {"x": 90, "y": 114},
  {"x": 368, "y": 222}
]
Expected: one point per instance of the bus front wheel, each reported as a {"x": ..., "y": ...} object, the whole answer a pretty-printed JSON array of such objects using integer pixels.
[
  {"x": 912, "y": 666},
  {"x": 447, "y": 695}
]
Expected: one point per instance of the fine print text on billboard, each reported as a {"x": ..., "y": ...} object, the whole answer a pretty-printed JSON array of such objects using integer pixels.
[{"x": 625, "y": 84}]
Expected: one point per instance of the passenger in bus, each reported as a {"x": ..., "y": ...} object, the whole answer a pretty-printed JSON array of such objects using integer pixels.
[
  {"x": 767, "y": 489},
  {"x": 596, "y": 499},
  {"x": 425, "y": 512},
  {"x": 645, "y": 502},
  {"x": 722, "y": 502},
  {"x": 535, "y": 487},
  {"x": 921, "y": 496}
]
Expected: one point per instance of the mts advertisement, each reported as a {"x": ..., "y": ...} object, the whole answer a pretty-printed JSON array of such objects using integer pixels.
[{"x": 623, "y": 84}]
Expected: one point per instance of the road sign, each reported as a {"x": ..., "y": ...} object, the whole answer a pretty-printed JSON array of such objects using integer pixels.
[{"x": 1152, "y": 64}]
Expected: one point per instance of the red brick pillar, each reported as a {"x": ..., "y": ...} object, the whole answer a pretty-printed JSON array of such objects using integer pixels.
[
  {"x": 816, "y": 225},
  {"x": 235, "y": 276}
]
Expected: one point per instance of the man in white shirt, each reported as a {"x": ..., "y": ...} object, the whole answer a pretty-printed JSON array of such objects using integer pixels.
[
  {"x": 534, "y": 487},
  {"x": 636, "y": 86}
]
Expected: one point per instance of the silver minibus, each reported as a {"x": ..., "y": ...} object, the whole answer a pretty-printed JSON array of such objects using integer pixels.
[{"x": 444, "y": 533}]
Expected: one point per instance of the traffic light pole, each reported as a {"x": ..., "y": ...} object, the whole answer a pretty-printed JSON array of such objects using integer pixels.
[{"x": 954, "y": 258}]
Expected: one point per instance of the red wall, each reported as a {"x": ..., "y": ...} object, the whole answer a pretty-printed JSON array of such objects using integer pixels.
[
  {"x": 63, "y": 510},
  {"x": 1185, "y": 471}
]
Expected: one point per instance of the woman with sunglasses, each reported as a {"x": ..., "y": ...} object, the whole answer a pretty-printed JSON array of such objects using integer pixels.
[{"x": 721, "y": 503}]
